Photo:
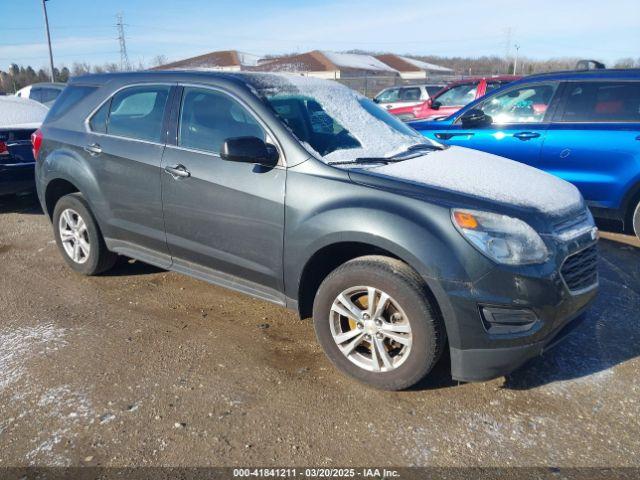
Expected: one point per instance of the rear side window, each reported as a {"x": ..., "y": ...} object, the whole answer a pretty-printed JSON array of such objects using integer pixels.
[
  {"x": 69, "y": 97},
  {"x": 602, "y": 102},
  {"x": 135, "y": 112}
]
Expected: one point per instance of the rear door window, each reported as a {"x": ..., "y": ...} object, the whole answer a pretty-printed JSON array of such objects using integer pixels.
[
  {"x": 599, "y": 102},
  {"x": 137, "y": 113}
]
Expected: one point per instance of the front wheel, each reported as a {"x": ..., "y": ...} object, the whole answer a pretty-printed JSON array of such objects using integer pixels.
[{"x": 375, "y": 322}]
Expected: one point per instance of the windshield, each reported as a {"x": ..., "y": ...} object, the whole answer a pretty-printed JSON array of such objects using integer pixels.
[{"x": 333, "y": 122}]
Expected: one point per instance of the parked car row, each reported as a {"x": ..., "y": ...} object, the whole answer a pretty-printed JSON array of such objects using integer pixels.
[
  {"x": 304, "y": 193},
  {"x": 583, "y": 127},
  {"x": 451, "y": 98},
  {"x": 407, "y": 96}
]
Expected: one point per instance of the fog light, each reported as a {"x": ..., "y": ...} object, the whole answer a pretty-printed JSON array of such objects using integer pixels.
[{"x": 506, "y": 321}]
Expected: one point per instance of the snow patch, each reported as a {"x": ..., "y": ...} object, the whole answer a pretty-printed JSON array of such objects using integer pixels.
[
  {"x": 425, "y": 66},
  {"x": 21, "y": 344},
  {"x": 65, "y": 409},
  {"x": 357, "y": 61},
  {"x": 488, "y": 176},
  {"x": 377, "y": 138},
  {"x": 17, "y": 112}
]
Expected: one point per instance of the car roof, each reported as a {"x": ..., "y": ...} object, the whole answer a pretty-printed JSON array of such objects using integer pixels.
[
  {"x": 626, "y": 73},
  {"x": 168, "y": 75},
  {"x": 48, "y": 84}
]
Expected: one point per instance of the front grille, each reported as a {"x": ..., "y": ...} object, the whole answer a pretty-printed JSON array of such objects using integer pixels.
[{"x": 580, "y": 270}]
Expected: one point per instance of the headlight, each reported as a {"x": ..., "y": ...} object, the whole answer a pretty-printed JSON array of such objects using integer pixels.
[{"x": 503, "y": 239}]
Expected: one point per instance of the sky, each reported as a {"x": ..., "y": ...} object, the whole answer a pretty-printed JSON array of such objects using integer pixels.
[{"x": 85, "y": 31}]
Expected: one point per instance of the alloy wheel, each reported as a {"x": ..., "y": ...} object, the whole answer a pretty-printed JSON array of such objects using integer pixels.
[
  {"x": 370, "y": 329},
  {"x": 74, "y": 236}
]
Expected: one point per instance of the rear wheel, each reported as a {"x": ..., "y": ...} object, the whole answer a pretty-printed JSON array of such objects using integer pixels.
[
  {"x": 374, "y": 320},
  {"x": 79, "y": 238}
]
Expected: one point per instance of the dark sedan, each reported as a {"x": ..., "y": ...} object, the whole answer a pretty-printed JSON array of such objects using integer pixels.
[{"x": 19, "y": 118}]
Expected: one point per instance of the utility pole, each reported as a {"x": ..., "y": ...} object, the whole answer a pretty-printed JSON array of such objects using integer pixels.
[
  {"x": 515, "y": 60},
  {"x": 124, "y": 58},
  {"x": 46, "y": 23}
]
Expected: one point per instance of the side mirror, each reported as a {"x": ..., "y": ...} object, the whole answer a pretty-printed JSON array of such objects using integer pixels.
[
  {"x": 249, "y": 150},
  {"x": 376, "y": 100},
  {"x": 475, "y": 118},
  {"x": 435, "y": 105}
]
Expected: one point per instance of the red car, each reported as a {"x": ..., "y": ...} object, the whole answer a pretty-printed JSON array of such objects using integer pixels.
[{"x": 452, "y": 98}]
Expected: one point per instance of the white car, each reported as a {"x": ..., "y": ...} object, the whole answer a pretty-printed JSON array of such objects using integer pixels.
[
  {"x": 406, "y": 96},
  {"x": 45, "y": 93}
]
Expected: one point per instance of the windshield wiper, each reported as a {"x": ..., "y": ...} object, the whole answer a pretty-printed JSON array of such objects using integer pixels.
[
  {"x": 416, "y": 150},
  {"x": 367, "y": 161},
  {"x": 413, "y": 151}
]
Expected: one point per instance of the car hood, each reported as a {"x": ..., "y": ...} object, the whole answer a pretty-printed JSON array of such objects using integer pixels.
[{"x": 484, "y": 176}]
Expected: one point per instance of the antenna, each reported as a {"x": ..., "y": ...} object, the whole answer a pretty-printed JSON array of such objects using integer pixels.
[{"x": 124, "y": 58}]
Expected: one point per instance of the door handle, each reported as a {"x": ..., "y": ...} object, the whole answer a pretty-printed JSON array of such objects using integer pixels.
[
  {"x": 526, "y": 135},
  {"x": 93, "y": 149},
  {"x": 638, "y": 138},
  {"x": 178, "y": 171},
  {"x": 447, "y": 136}
]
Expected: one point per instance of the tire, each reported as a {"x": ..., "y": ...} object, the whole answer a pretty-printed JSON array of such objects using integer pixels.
[
  {"x": 408, "y": 306},
  {"x": 93, "y": 257},
  {"x": 636, "y": 220}
]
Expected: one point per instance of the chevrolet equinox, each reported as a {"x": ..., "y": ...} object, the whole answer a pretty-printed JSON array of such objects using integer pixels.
[{"x": 302, "y": 192}]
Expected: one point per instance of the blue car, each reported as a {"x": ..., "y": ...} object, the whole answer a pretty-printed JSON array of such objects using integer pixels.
[{"x": 582, "y": 126}]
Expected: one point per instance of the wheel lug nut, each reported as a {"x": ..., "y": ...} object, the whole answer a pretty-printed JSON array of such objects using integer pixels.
[
  {"x": 365, "y": 316},
  {"x": 379, "y": 335},
  {"x": 367, "y": 337},
  {"x": 379, "y": 323},
  {"x": 360, "y": 325}
]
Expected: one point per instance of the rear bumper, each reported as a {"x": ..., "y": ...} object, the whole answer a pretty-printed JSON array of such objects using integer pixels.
[
  {"x": 16, "y": 178},
  {"x": 478, "y": 365}
]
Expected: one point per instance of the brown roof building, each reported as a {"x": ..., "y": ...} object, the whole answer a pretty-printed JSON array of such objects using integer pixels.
[
  {"x": 225, "y": 60},
  {"x": 410, "y": 68},
  {"x": 325, "y": 64}
]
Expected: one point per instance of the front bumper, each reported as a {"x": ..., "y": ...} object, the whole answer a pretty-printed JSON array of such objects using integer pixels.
[
  {"x": 479, "y": 365},
  {"x": 477, "y": 354}
]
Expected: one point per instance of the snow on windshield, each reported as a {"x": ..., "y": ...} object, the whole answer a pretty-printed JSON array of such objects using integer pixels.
[
  {"x": 488, "y": 176},
  {"x": 379, "y": 135},
  {"x": 16, "y": 112}
]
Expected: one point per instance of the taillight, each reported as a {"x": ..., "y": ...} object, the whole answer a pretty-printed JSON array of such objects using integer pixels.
[
  {"x": 3, "y": 148},
  {"x": 36, "y": 143}
]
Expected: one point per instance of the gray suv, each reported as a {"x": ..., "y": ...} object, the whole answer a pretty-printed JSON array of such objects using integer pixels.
[{"x": 304, "y": 193}]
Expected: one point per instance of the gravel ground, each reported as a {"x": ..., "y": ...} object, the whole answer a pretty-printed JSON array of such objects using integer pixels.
[{"x": 147, "y": 367}]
